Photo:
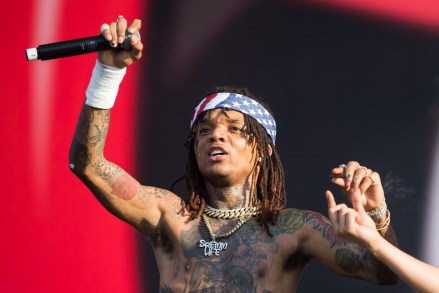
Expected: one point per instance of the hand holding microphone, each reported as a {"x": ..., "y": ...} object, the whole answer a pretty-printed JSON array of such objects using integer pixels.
[
  {"x": 124, "y": 41},
  {"x": 115, "y": 33}
]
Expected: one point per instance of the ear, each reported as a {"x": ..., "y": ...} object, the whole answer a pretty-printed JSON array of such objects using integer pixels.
[{"x": 270, "y": 150}]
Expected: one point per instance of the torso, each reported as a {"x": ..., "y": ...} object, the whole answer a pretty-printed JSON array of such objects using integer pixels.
[{"x": 253, "y": 261}]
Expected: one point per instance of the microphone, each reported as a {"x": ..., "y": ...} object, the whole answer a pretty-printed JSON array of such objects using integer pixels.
[{"x": 75, "y": 47}]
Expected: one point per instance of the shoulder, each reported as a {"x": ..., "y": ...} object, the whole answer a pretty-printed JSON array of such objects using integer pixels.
[{"x": 290, "y": 220}]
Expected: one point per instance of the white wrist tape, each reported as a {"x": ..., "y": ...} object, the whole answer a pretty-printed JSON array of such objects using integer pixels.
[{"x": 104, "y": 85}]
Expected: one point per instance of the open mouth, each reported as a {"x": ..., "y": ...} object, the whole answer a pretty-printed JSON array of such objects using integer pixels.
[{"x": 216, "y": 153}]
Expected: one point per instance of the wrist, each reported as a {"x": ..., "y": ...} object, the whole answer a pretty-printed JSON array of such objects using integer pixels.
[
  {"x": 383, "y": 225},
  {"x": 104, "y": 85},
  {"x": 374, "y": 245},
  {"x": 378, "y": 213}
]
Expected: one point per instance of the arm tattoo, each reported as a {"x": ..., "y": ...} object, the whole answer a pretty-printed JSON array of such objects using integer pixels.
[
  {"x": 106, "y": 169},
  {"x": 90, "y": 135},
  {"x": 124, "y": 187},
  {"x": 157, "y": 192},
  {"x": 347, "y": 256},
  {"x": 290, "y": 221},
  {"x": 323, "y": 225},
  {"x": 348, "y": 260}
]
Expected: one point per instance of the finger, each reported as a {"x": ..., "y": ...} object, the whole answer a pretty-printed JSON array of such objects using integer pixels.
[
  {"x": 351, "y": 220},
  {"x": 365, "y": 184},
  {"x": 375, "y": 178},
  {"x": 105, "y": 31},
  {"x": 357, "y": 203},
  {"x": 335, "y": 212},
  {"x": 367, "y": 170},
  {"x": 339, "y": 170},
  {"x": 351, "y": 167},
  {"x": 113, "y": 34},
  {"x": 333, "y": 218},
  {"x": 341, "y": 182},
  {"x": 136, "y": 52},
  {"x": 359, "y": 174},
  {"x": 330, "y": 199},
  {"x": 342, "y": 214},
  {"x": 338, "y": 175},
  {"x": 135, "y": 26},
  {"x": 121, "y": 26}
]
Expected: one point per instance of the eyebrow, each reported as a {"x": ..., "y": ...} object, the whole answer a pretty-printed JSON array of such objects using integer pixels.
[
  {"x": 228, "y": 118},
  {"x": 234, "y": 120}
]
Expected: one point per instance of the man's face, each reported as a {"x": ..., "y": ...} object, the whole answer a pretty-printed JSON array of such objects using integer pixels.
[{"x": 223, "y": 152}]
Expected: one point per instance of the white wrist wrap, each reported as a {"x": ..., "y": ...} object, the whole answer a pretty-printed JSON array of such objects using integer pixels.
[{"x": 104, "y": 85}]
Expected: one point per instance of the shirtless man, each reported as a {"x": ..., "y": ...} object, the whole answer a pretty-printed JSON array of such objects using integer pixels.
[{"x": 233, "y": 232}]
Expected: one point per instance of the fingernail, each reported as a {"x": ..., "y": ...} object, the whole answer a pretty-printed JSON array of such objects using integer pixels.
[
  {"x": 120, "y": 40},
  {"x": 131, "y": 29},
  {"x": 134, "y": 40}
]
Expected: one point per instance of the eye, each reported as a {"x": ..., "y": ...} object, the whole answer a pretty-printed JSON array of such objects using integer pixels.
[
  {"x": 203, "y": 130},
  {"x": 235, "y": 129}
]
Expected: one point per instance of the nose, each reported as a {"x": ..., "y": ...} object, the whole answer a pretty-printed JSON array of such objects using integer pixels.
[{"x": 218, "y": 133}]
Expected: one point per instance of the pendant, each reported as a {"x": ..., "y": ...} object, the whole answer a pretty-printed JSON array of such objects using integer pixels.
[{"x": 212, "y": 247}]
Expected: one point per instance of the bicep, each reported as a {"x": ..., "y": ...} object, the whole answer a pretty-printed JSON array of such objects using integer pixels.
[{"x": 124, "y": 196}]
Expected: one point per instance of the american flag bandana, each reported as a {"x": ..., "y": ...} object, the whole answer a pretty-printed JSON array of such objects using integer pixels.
[{"x": 241, "y": 104}]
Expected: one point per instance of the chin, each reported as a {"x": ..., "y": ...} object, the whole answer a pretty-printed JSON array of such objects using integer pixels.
[{"x": 217, "y": 178}]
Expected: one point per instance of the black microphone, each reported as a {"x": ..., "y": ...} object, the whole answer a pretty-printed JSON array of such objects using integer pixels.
[{"x": 75, "y": 47}]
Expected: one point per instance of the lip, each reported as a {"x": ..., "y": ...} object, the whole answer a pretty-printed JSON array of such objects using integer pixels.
[{"x": 217, "y": 157}]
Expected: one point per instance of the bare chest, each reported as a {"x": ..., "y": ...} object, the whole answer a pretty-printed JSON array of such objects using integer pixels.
[{"x": 247, "y": 260}]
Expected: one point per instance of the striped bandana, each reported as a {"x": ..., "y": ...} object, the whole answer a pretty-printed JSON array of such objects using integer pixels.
[{"x": 241, "y": 104}]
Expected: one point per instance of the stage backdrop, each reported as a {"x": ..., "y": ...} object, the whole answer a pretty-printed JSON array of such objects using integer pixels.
[
  {"x": 346, "y": 79},
  {"x": 55, "y": 235}
]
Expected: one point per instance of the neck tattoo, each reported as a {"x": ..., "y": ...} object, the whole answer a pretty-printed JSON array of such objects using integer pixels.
[{"x": 213, "y": 247}]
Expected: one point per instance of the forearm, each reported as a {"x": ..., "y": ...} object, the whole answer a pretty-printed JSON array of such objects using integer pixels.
[
  {"x": 89, "y": 138},
  {"x": 377, "y": 268},
  {"x": 421, "y": 276}
]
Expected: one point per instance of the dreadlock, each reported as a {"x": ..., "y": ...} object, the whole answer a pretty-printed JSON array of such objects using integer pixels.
[{"x": 270, "y": 185}]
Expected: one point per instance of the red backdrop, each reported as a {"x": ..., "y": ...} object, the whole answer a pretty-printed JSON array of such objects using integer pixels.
[{"x": 56, "y": 237}]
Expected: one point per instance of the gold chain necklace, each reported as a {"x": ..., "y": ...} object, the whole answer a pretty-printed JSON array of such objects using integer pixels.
[
  {"x": 215, "y": 247},
  {"x": 230, "y": 214}
]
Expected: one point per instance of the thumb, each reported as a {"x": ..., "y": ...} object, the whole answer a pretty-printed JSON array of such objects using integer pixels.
[{"x": 357, "y": 203}]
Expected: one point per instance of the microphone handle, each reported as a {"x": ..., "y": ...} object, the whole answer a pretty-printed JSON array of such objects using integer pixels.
[{"x": 74, "y": 47}]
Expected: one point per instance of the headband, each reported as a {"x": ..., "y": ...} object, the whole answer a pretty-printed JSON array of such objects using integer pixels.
[{"x": 241, "y": 104}]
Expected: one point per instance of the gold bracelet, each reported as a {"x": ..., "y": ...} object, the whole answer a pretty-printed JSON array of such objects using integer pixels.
[{"x": 383, "y": 225}]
